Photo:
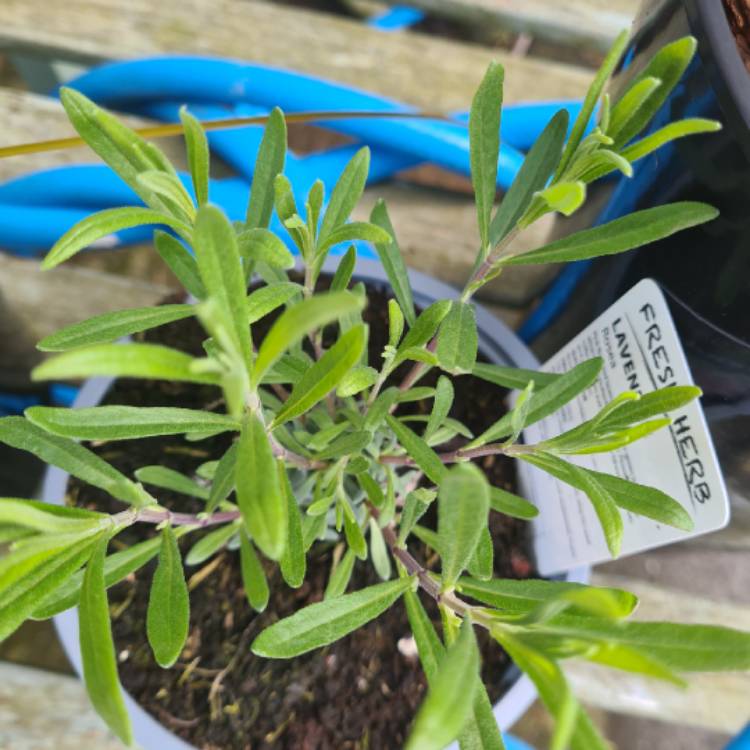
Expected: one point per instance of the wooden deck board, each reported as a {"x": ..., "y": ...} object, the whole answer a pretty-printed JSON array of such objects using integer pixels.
[{"x": 421, "y": 70}]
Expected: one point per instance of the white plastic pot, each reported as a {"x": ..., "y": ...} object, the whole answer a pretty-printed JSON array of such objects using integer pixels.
[{"x": 496, "y": 341}]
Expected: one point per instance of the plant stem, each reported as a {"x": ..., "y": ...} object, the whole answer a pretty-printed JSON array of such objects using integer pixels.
[
  {"x": 461, "y": 454},
  {"x": 160, "y": 515}
]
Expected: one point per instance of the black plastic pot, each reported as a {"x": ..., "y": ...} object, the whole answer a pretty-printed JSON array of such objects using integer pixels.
[{"x": 705, "y": 271}]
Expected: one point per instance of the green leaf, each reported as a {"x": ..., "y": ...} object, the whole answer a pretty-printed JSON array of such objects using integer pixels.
[
  {"x": 511, "y": 504},
  {"x": 481, "y": 563},
  {"x": 355, "y": 230},
  {"x": 169, "y": 479},
  {"x": 344, "y": 270},
  {"x": 548, "y": 400},
  {"x": 484, "y": 146},
  {"x": 220, "y": 267},
  {"x": 463, "y": 506},
  {"x": 441, "y": 406},
  {"x": 636, "y": 229},
  {"x": 564, "y": 197},
  {"x": 423, "y": 329},
  {"x": 650, "y": 405},
  {"x": 324, "y": 375},
  {"x": 458, "y": 339},
  {"x": 430, "y": 648},
  {"x": 127, "y": 422},
  {"x": 415, "y": 506},
  {"x": 262, "y": 245},
  {"x": 590, "y": 101},
  {"x": 381, "y": 558},
  {"x": 537, "y": 167},
  {"x": 268, "y": 298},
  {"x": 522, "y": 597},
  {"x": 172, "y": 192},
  {"x": 259, "y": 494},
  {"x": 670, "y": 132},
  {"x": 103, "y": 224},
  {"x": 98, "y": 649},
  {"x": 629, "y": 659},
  {"x": 71, "y": 457},
  {"x": 196, "y": 145},
  {"x": 293, "y": 562},
  {"x": 450, "y": 698},
  {"x": 123, "y": 360},
  {"x": 253, "y": 575},
  {"x": 180, "y": 262},
  {"x": 520, "y": 413},
  {"x": 46, "y": 518},
  {"x": 346, "y": 194},
  {"x": 117, "y": 567},
  {"x": 168, "y": 614},
  {"x": 513, "y": 377},
  {"x": 33, "y": 572},
  {"x": 417, "y": 448},
  {"x": 352, "y": 531},
  {"x": 604, "y": 504},
  {"x": 210, "y": 544},
  {"x": 356, "y": 380},
  {"x": 393, "y": 263},
  {"x": 395, "y": 323},
  {"x": 269, "y": 163},
  {"x": 340, "y": 576},
  {"x": 628, "y": 105},
  {"x": 303, "y": 318},
  {"x": 325, "y": 622},
  {"x": 667, "y": 65},
  {"x": 108, "y": 327},
  {"x": 223, "y": 481}
]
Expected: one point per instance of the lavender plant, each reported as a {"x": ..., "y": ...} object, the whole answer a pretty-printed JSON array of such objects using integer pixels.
[{"x": 323, "y": 452}]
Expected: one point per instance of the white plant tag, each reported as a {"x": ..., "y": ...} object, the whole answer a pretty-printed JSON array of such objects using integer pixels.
[{"x": 641, "y": 350}]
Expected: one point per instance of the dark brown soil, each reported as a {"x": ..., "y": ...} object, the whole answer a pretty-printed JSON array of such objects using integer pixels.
[
  {"x": 738, "y": 13},
  {"x": 361, "y": 692}
]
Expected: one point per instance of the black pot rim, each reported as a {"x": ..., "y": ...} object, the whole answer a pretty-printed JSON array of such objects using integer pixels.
[{"x": 718, "y": 51}]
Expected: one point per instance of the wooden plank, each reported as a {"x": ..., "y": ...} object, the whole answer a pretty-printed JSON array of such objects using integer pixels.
[
  {"x": 47, "y": 711},
  {"x": 591, "y": 24},
  {"x": 422, "y": 70},
  {"x": 713, "y": 701}
]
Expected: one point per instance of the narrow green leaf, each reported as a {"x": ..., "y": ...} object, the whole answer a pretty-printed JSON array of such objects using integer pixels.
[
  {"x": 221, "y": 271},
  {"x": 210, "y": 544},
  {"x": 259, "y": 494},
  {"x": 172, "y": 192},
  {"x": 223, "y": 481},
  {"x": 45, "y": 518},
  {"x": 513, "y": 377},
  {"x": 520, "y": 413},
  {"x": 357, "y": 380},
  {"x": 253, "y": 575},
  {"x": 463, "y": 506},
  {"x": 564, "y": 197},
  {"x": 352, "y": 531},
  {"x": 196, "y": 145},
  {"x": 481, "y": 563},
  {"x": 263, "y": 246},
  {"x": 484, "y": 142},
  {"x": 417, "y": 448},
  {"x": 297, "y": 321},
  {"x": 511, "y": 504},
  {"x": 636, "y": 229},
  {"x": 441, "y": 406},
  {"x": 269, "y": 163},
  {"x": 537, "y": 167},
  {"x": 180, "y": 262},
  {"x": 127, "y": 422},
  {"x": 430, "y": 647},
  {"x": 670, "y": 132},
  {"x": 293, "y": 562},
  {"x": 629, "y": 104},
  {"x": 346, "y": 194},
  {"x": 650, "y": 405},
  {"x": 450, "y": 698},
  {"x": 103, "y": 224},
  {"x": 355, "y": 230},
  {"x": 344, "y": 270},
  {"x": 381, "y": 558},
  {"x": 109, "y": 327},
  {"x": 123, "y": 360},
  {"x": 266, "y": 299},
  {"x": 324, "y": 375},
  {"x": 325, "y": 622},
  {"x": 98, "y": 649},
  {"x": 169, "y": 479},
  {"x": 458, "y": 339},
  {"x": 393, "y": 262},
  {"x": 168, "y": 614},
  {"x": 423, "y": 329},
  {"x": 71, "y": 457},
  {"x": 415, "y": 506},
  {"x": 340, "y": 576}
]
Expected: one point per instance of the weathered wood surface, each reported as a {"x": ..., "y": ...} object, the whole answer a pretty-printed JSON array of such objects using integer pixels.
[
  {"x": 589, "y": 23},
  {"x": 424, "y": 71}
]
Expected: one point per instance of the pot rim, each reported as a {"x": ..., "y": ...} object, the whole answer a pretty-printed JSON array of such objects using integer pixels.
[{"x": 496, "y": 340}]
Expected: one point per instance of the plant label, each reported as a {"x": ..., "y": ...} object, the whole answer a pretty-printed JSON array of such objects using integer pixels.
[{"x": 642, "y": 352}]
